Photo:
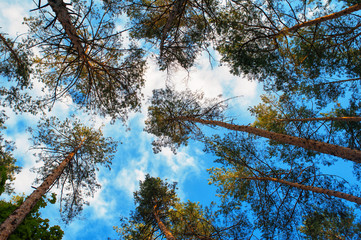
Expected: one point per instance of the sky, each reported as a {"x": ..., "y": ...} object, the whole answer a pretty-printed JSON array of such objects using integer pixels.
[{"x": 134, "y": 157}]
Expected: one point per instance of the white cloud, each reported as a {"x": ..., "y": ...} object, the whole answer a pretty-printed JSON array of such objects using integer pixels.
[{"x": 12, "y": 14}]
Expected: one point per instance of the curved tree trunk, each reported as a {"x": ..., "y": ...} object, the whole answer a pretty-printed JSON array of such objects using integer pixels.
[
  {"x": 322, "y": 147},
  {"x": 18, "y": 216},
  {"x": 168, "y": 235},
  {"x": 328, "y": 192},
  {"x": 345, "y": 119},
  {"x": 335, "y": 15}
]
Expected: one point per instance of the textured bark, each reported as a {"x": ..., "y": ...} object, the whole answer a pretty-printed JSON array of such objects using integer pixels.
[
  {"x": 18, "y": 216},
  {"x": 328, "y": 192},
  {"x": 322, "y": 147},
  {"x": 63, "y": 16},
  {"x": 335, "y": 15},
  {"x": 168, "y": 235},
  {"x": 345, "y": 119}
]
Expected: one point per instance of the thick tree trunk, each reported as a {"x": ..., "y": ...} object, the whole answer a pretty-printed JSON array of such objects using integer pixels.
[
  {"x": 18, "y": 216},
  {"x": 322, "y": 147},
  {"x": 328, "y": 192},
  {"x": 63, "y": 16},
  {"x": 335, "y": 15},
  {"x": 176, "y": 11},
  {"x": 168, "y": 235},
  {"x": 345, "y": 119}
]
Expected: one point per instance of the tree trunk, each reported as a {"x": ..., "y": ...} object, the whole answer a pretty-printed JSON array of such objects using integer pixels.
[
  {"x": 339, "y": 81},
  {"x": 176, "y": 11},
  {"x": 346, "y": 119},
  {"x": 168, "y": 235},
  {"x": 335, "y": 15},
  {"x": 328, "y": 192},
  {"x": 63, "y": 16},
  {"x": 18, "y": 216},
  {"x": 15, "y": 55},
  {"x": 322, "y": 147}
]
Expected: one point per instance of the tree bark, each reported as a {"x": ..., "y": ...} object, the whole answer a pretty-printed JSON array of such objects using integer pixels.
[
  {"x": 328, "y": 192},
  {"x": 176, "y": 11},
  {"x": 339, "y": 81},
  {"x": 322, "y": 147},
  {"x": 63, "y": 16},
  {"x": 345, "y": 119},
  {"x": 168, "y": 235},
  {"x": 335, "y": 15},
  {"x": 18, "y": 216}
]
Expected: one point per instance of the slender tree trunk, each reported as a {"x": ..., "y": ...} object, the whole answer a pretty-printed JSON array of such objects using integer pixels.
[
  {"x": 339, "y": 81},
  {"x": 15, "y": 55},
  {"x": 63, "y": 16},
  {"x": 168, "y": 235},
  {"x": 345, "y": 119},
  {"x": 328, "y": 192},
  {"x": 322, "y": 147},
  {"x": 18, "y": 216},
  {"x": 335, "y": 15}
]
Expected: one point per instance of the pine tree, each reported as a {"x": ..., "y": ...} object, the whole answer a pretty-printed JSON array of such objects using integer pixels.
[
  {"x": 70, "y": 152},
  {"x": 173, "y": 117}
]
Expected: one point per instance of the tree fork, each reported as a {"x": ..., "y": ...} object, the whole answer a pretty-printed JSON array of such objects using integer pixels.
[
  {"x": 322, "y": 147},
  {"x": 18, "y": 216},
  {"x": 328, "y": 192}
]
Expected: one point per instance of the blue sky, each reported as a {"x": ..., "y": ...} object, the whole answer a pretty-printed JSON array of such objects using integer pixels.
[{"x": 134, "y": 157}]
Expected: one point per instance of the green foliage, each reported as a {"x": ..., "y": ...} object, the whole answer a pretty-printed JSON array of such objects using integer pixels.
[
  {"x": 252, "y": 42},
  {"x": 15, "y": 69},
  {"x": 56, "y": 139},
  {"x": 104, "y": 76},
  {"x": 33, "y": 226},
  {"x": 331, "y": 224},
  {"x": 276, "y": 208},
  {"x": 168, "y": 106},
  {"x": 7, "y": 161},
  {"x": 181, "y": 29},
  {"x": 184, "y": 220}
]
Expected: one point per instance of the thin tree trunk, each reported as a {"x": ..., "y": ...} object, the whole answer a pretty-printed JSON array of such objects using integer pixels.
[
  {"x": 16, "y": 57},
  {"x": 339, "y": 81},
  {"x": 63, "y": 16},
  {"x": 346, "y": 119},
  {"x": 168, "y": 235},
  {"x": 18, "y": 216},
  {"x": 335, "y": 15},
  {"x": 322, "y": 147},
  {"x": 328, "y": 192}
]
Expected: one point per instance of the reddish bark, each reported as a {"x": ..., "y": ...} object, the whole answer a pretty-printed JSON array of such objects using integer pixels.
[
  {"x": 345, "y": 119},
  {"x": 168, "y": 235},
  {"x": 322, "y": 147},
  {"x": 335, "y": 15},
  {"x": 328, "y": 192},
  {"x": 18, "y": 216}
]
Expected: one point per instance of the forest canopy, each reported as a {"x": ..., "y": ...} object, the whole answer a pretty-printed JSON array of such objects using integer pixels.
[{"x": 282, "y": 161}]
